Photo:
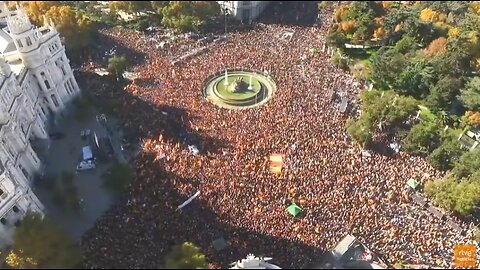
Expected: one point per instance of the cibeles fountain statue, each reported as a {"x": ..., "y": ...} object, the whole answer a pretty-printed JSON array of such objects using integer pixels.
[
  {"x": 239, "y": 86},
  {"x": 252, "y": 262}
]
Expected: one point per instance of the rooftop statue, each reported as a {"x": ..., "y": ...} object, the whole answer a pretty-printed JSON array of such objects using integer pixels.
[{"x": 252, "y": 262}]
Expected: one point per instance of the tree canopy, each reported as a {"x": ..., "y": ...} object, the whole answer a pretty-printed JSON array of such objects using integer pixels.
[
  {"x": 133, "y": 7},
  {"x": 380, "y": 108},
  {"x": 117, "y": 65},
  {"x": 443, "y": 93},
  {"x": 459, "y": 196},
  {"x": 446, "y": 154},
  {"x": 186, "y": 256},
  {"x": 71, "y": 24},
  {"x": 189, "y": 15},
  {"x": 427, "y": 53},
  {"x": 423, "y": 138},
  {"x": 467, "y": 165},
  {"x": 470, "y": 96},
  {"x": 39, "y": 243}
]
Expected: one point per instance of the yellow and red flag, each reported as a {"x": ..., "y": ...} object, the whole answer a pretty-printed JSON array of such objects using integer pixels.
[{"x": 276, "y": 163}]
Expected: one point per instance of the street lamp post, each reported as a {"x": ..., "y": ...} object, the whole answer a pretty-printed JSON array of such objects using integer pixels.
[{"x": 226, "y": 12}]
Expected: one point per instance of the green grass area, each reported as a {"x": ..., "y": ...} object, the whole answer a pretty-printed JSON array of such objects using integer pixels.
[{"x": 224, "y": 90}]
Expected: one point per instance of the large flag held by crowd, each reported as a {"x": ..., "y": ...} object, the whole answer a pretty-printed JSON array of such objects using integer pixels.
[{"x": 276, "y": 163}]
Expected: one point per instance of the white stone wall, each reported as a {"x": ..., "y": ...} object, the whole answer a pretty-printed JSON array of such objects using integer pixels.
[
  {"x": 246, "y": 11},
  {"x": 40, "y": 88}
]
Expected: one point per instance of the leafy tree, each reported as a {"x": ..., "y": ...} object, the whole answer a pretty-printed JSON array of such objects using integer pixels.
[
  {"x": 118, "y": 177},
  {"x": 157, "y": 6},
  {"x": 437, "y": 46},
  {"x": 423, "y": 138},
  {"x": 379, "y": 33},
  {"x": 457, "y": 59},
  {"x": 416, "y": 78},
  {"x": 132, "y": 7},
  {"x": 324, "y": 5},
  {"x": 117, "y": 65},
  {"x": 444, "y": 156},
  {"x": 442, "y": 192},
  {"x": 470, "y": 96},
  {"x": 400, "y": 109},
  {"x": 443, "y": 93},
  {"x": 429, "y": 15},
  {"x": 348, "y": 26},
  {"x": 457, "y": 7},
  {"x": 358, "y": 9},
  {"x": 73, "y": 26},
  {"x": 453, "y": 32},
  {"x": 360, "y": 132},
  {"x": 336, "y": 38},
  {"x": 461, "y": 197},
  {"x": 467, "y": 196},
  {"x": 472, "y": 118},
  {"x": 189, "y": 15},
  {"x": 186, "y": 256},
  {"x": 340, "y": 60},
  {"x": 407, "y": 17},
  {"x": 39, "y": 243},
  {"x": 37, "y": 9},
  {"x": 386, "y": 65},
  {"x": 363, "y": 13},
  {"x": 385, "y": 108},
  {"x": 467, "y": 165},
  {"x": 405, "y": 45}
]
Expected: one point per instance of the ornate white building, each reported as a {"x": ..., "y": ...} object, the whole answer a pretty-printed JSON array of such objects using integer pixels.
[
  {"x": 246, "y": 11},
  {"x": 36, "y": 84}
]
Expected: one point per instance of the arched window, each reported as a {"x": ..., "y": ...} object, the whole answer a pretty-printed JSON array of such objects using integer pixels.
[
  {"x": 29, "y": 41},
  {"x": 54, "y": 99},
  {"x": 27, "y": 175},
  {"x": 45, "y": 80},
  {"x": 20, "y": 44}
]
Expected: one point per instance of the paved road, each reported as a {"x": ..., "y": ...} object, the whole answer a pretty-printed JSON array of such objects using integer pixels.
[
  {"x": 110, "y": 127},
  {"x": 63, "y": 155}
]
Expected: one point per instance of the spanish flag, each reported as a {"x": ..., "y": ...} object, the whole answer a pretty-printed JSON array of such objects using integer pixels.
[{"x": 276, "y": 163}]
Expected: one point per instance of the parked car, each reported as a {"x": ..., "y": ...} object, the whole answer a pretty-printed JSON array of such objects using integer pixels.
[
  {"x": 86, "y": 165},
  {"x": 85, "y": 133}
]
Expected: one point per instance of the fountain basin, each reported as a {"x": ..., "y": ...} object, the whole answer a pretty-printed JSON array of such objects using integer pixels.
[{"x": 245, "y": 89}]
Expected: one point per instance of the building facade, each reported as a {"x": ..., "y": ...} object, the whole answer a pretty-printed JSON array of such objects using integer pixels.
[
  {"x": 36, "y": 84},
  {"x": 245, "y": 11}
]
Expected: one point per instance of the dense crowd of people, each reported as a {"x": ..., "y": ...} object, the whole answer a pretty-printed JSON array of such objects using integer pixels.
[{"x": 324, "y": 172}]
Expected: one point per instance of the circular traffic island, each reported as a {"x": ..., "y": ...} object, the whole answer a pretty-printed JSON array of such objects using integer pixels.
[{"x": 238, "y": 89}]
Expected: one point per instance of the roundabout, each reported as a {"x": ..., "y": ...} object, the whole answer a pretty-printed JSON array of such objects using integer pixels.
[{"x": 238, "y": 89}]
